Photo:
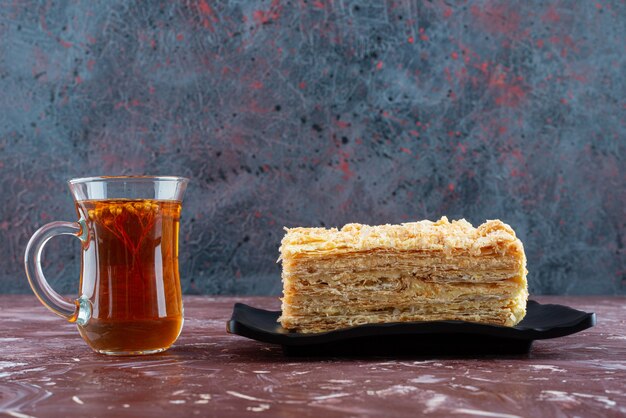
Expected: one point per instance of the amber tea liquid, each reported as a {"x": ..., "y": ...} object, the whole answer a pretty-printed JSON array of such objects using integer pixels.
[{"x": 130, "y": 274}]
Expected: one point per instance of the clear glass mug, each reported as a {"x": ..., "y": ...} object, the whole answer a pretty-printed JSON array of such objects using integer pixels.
[{"x": 130, "y": 296}]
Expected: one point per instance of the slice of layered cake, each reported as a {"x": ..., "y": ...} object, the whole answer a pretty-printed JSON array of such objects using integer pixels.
[{"x": 418, "y": 271}]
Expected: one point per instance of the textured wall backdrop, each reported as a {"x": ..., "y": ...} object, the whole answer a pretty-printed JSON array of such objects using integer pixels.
[{"x": 322, "y": 113}]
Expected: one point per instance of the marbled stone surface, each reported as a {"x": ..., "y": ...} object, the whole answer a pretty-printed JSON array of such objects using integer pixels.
[
  {"x": 322, "y": 112},
  {"x": 47, "y": 371}
]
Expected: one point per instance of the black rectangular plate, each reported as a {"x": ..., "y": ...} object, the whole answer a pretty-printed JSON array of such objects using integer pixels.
[{"x": 436, "y": 337}]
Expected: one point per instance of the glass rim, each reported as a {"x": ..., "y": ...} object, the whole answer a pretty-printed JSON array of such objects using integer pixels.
[{"x": 82, "y": 180}]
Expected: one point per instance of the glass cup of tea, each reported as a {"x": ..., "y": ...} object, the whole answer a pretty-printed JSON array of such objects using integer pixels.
[{"x": 130, "y": 299}]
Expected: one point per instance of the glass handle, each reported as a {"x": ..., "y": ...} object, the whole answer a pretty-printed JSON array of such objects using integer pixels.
[{"x": 78, "y": 310}]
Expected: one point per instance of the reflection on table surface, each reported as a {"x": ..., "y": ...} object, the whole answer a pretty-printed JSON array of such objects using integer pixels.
[{"x": 47, "y": 370}]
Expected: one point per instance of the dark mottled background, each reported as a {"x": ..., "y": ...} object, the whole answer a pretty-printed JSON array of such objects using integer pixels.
[{"x": 322, "y": 113}]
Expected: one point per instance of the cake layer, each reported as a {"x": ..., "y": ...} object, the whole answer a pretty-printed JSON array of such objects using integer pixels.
[
  {"x": 397, "y": 290},
  {"x": 497, "y": 312},
  {"x": 405, "y": 260},
  {"x": 392, "y": 294},
  {"x": 432, "y": 275}
]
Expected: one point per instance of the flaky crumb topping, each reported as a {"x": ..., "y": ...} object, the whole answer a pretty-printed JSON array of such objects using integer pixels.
[{"x": 411, "y": 236}]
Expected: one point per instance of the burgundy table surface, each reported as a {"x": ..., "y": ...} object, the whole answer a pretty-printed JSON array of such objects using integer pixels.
[{"x": 46, "y": 370}]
